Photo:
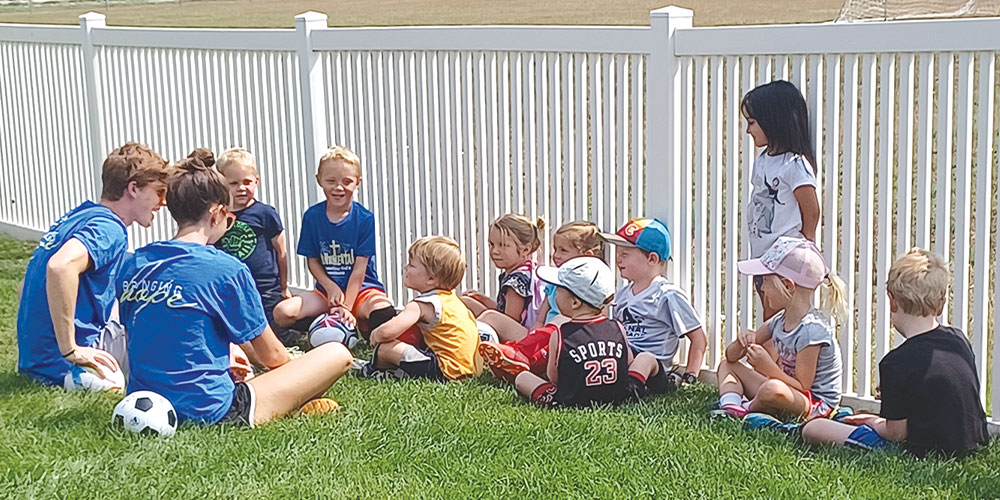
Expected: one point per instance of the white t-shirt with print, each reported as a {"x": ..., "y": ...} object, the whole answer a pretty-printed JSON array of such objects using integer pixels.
[
  {"x": 656, "y": 318},
  {"x": 773, "y": 210}
]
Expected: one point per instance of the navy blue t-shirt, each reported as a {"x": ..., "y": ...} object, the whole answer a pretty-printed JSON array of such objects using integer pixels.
[
  {"x": 336, "y": 245},
  {"x": 182, "y": 304},
  {"x": 250, "y": 241},
  {"x": 104, "y": 236}
]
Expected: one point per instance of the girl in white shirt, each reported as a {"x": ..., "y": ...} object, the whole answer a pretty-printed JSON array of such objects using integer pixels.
[{"x": 783, "y": 201}]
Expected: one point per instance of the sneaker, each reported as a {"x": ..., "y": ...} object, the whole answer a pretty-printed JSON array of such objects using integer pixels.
[
  {"x": 637, "y": 389},
  {"x": 319, "y": 406},
  {"x": 358, "y": 365},
  {"x": 661, "y": 383},
  {"x": 839, "y": 413},
  {"x": 728, "y": 411},
  {"x": 755, "y": 421},
  {"x": 369, "y": 371},
  {"x": 505, "y": 362}
]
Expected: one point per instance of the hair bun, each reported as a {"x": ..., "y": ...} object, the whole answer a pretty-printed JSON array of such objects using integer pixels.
[
  {"x": 205, "y": 155},
  {"x": 190, "y": 165}
]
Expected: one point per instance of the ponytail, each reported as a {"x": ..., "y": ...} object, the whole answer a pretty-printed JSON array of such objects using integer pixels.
[{"x": 833, "y": 298}]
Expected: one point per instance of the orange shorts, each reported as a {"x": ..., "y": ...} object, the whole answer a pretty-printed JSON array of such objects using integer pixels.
[{"x": 362, "y": 297}]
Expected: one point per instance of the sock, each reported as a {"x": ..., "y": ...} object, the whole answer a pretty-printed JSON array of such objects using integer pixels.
[
  {"x": 731, "y": 398},
  {"x": 638, "y": 376},
  {"x": 379, "y": 317}
]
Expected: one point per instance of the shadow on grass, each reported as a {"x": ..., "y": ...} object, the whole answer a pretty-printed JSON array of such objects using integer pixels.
[{"x": 14, "y": 384}]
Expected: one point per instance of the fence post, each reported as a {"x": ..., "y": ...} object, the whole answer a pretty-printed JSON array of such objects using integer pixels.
[
  {"x": 91, "y": 82},
  {"x": 663, "y": 127},
  {"x": 313, "y": 102}
]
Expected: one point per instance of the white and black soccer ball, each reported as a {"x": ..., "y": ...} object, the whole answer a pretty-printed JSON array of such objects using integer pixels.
[
  {"x": 328, "y": 328},
  {"x": 145, "y": 412}
]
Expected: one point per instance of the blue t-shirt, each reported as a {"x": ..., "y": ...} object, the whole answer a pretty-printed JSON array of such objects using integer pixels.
[
  {"x": 550, "y": 296},
  {"x": 250, "y": 241},
  {"x": 336, "y": 245},
  {"x": 182, "y": 304},
  {"x": 104, "y": 236}
]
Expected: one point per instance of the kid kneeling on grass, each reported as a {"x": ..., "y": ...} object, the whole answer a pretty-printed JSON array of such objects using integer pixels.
[
  {"x": 930, "y": 391},
  {"x": 654, "y": 312},
  {"x": 448, "y": 330},
  {"x": 793, "y": 360},
  {"x": 589, "y": 361}
]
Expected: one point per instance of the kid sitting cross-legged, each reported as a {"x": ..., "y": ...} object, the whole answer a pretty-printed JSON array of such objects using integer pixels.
[
  {"x": 338, "y": 242},
  {"x": 803, "y": 379},
  {"x": 655, "y": 312},
  {"x": 448, "y": 330},
  {"x": 589, "y": 358},
  {"x": 930, "y": 391}
]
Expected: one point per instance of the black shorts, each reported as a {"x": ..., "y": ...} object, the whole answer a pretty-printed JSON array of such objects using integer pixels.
[
  {"x": 244, "y": 402},
  {"x": 427, "y": 367}
]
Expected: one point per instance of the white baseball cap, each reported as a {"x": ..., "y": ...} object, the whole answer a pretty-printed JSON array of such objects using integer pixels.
[
  {"x": 796, "y": 259},
  {"x": 589, "y": 278}
]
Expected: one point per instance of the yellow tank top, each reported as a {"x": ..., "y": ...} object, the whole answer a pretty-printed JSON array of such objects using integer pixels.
[{"x": 451, "y": 334}]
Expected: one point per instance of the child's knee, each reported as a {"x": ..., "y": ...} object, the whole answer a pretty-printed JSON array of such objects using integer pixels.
[
  {"x": 773, "y": 392},
  {"x": 335, "y": 354}
]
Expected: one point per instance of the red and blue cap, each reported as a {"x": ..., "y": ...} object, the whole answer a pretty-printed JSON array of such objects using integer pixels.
[{"x": 649, "y": 235}]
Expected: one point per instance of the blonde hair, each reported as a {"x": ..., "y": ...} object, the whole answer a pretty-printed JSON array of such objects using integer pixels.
[
  {"x": 340, "y": 153},
  {"x": 236, "y": 156},
  {"x": 521, "y": 229},
  {"x": 442, "y": 257},
  {"x": 584, "y": 236},
  {"x": 832, "y": 295},
  {"x": 918, "y": 282}
]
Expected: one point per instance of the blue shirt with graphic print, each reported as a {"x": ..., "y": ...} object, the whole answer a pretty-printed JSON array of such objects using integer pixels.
[
  {"x": 251, "y": 241},
  {"x": 182, "y": 304},
  {"x": 104, "y": 236},
  {"x": 338, "y": 244}
]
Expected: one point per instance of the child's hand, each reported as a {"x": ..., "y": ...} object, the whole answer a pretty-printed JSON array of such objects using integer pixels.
[
  {"x": 341, "y": 314},
  {"x": 758, "y": 357},
  {"x": 747, "y": 337},
  {"x": 860, "y": 419},
  {"x": 335, "y": 298}
]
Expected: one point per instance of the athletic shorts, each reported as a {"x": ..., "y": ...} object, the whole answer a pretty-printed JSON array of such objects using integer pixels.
[
  {"x": 363, "y": 296},
  {"x": 244, "y": 403},
  {"x": 426, "y": 367},
  {"x": 865, "y": 438},
  {"x": 817, "y": 407}
]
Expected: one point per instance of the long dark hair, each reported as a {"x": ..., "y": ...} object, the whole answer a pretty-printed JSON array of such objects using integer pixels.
[
  {"x": 780, "y": 111},
  {"x": 194, "y": 188}
]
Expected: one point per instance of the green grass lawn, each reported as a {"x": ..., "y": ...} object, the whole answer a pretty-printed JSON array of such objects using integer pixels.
[{"x": 430, "y": 440}]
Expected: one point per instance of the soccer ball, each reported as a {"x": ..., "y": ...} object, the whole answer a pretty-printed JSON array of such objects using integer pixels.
[
  {"x": 86, "y": 378},
  {"x": 145, "y": 412},
  {"x": 328, "y": 328}
]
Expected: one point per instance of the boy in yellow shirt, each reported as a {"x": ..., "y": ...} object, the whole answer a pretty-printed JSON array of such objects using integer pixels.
[{"x": 449, "y": 334}]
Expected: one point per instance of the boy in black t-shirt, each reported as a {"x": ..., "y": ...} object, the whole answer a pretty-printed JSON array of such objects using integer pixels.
[
  {"x": 930, "y": 391},
  {"x": 589, "y": 361}
]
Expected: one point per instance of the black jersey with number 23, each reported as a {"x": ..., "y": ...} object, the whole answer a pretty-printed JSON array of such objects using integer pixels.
[{"x": 593, "y": 363}]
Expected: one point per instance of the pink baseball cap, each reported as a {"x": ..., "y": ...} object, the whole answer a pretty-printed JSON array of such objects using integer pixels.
[{"x": 796, "y": 259}]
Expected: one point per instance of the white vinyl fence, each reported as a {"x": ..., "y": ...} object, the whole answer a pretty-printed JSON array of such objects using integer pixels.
[{"x": 458, "y": 125}]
